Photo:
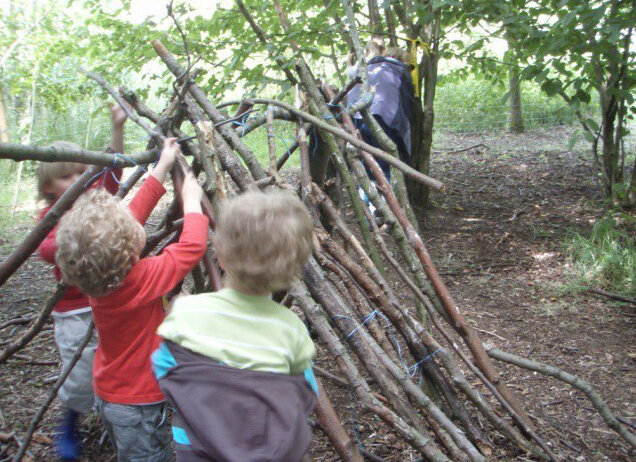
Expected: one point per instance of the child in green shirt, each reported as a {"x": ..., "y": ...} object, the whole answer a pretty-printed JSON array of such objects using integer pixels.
[{"x": 235, "y": 364}]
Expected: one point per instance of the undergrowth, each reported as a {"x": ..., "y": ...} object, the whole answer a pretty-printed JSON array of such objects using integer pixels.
[
  {"x": 606, "y": 259},
  {"x": 14, "y": 223},
  {"x": 476, "y": 105}
]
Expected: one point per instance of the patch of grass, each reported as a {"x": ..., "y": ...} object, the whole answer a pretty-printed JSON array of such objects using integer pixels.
[
  {"x": 477, "y": 105},
  {"x": 606, "y": 259}
]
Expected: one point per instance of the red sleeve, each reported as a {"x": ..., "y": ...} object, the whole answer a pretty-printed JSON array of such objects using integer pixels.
[
  {"x": 146, "y": 199},
  {"x": 163, "y": 272},
  {"x": 46, "y": 249}
]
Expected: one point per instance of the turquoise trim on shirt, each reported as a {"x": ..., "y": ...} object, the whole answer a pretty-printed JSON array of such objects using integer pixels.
[
  {"x": 162, "y": 360},
  {"x": 180, "y": 436},
  {"x": 311, "y": 379}
]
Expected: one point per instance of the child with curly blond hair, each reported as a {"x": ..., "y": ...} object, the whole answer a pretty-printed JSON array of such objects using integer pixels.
[
  {"x": 99, "y": 246},
  {"x": 236, "y": 365},
  {"x": 72, "y": 314}
]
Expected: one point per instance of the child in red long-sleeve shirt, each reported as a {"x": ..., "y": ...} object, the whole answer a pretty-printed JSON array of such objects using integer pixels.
[
  {"x": 72, "y": 314},
  {"x": 99, "y": 243}
]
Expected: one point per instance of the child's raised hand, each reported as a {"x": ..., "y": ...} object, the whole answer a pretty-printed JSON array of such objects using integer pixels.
[
  {"x": 118, "y": 115},
  {"x": 169, "y": 152},
  {"x": 167, "y": 159},
  {"x": 191, "y": 193}
]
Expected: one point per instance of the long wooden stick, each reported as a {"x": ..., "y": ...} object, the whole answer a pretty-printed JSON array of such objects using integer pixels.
[
  {"x": 36, "y": 326},
  {"x": 210, "y": 110},
  {"x": 331, "y": 424},
  {"x": 340, "y": 133},
  {"x": 319, "y": 321},
  {"x": 459, "y": 323},
  {"x": 21, "y": 152},
  {"x": 180, "y": 164},
  {"x": 571, "y": 379},
  {"x": 35, "y": 422},
  {"x": 455, "y": 373}
]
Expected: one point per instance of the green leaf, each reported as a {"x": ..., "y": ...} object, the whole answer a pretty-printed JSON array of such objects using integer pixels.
[
  {"x": 583, "y": 96},
  {"x": 551, "y": 87},
  {"x": 589, "y": 136},
  {"x": 574, "y": 138},
  {"x": 592, "y": 124}
]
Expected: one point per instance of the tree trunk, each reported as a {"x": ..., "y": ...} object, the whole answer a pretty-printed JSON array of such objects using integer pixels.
[
  {"x": 610, "y": 154},
  {"x": 4, "y": 123},
  {"x": 27, "y": 140},
  {"x": 515, "y": 119},
  {"x": 390, "y": 23},
  {"x": 375, "y": 18},
  {"x": 424, "y": 117},
  {"x": 515, "y": 122},
  {"x": 631, "y": 196}
]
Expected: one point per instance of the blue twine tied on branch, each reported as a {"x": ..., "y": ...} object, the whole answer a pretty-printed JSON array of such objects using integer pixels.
[
  {"x": 107, "y": 170},
  {"x": 334, "y": 116}
]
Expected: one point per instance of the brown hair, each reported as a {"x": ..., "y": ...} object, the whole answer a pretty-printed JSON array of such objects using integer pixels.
[
  {"x": 374, "y": 48},
  {"x": 98, "y": 242},
  {"x": 263, "y": 240},
  {"x": 398, "y": 53},
  {"x": 49, "y": 171}
]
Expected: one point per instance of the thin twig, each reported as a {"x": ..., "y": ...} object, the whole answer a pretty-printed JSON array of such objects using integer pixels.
[
  {"x": 462, "y": 150},
  {"x": 35, "y": 422},
  {"x": 620, "y": 298}
]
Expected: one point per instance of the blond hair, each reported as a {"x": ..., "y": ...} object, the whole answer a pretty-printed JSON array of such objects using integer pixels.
[
  {"x": 49, "y": 171},
  {"x": 397, "y": 53},
  {"x": 98, "y": 242},
  {"x": 374, "y": 48},
  {"x": 263, "y": 240}
]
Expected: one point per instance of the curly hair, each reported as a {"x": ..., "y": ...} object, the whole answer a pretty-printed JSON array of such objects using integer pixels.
[
  {"x": 98, "y": 242},
  {"x": 263, "y": 240}
]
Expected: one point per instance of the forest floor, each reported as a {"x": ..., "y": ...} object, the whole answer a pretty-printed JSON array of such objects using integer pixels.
[{"x": 497, "y": 239}]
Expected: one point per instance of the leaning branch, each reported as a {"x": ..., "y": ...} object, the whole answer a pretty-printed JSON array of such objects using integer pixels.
[
  {"x": 21, "y": 152},
  {"x": 35, "y": 422},
  {"x": 377, "y": 153},
  {"x": 578, "y": 383},
  {"x": 42, "y": 229},
  {"x": 36, "y": 326}
]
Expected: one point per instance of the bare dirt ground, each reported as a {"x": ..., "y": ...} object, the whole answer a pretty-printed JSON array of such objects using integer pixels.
[{"x": 497, "y": 238}]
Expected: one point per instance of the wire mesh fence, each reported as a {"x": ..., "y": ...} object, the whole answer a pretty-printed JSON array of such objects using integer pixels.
[{"x": 481, "y": 119}]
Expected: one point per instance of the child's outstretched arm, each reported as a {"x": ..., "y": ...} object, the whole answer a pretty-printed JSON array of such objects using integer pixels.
[
  {"x": 151, "y": 191},
  {"x": 191, "y": 194},
  {"x": 119, "y": 116},
  {"x": 167, "y": 158},
  {"x": 177, "y": 260}
]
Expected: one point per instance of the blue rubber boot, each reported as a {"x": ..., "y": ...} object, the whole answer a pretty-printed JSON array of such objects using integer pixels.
[{"x": 67, "y": 442}]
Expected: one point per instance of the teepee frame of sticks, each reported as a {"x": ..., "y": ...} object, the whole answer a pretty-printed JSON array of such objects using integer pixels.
[{"x": 344, "y": 292}]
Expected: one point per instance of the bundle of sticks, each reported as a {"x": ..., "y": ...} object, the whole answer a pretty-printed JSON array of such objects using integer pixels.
[{"x": 414, "y": 364}]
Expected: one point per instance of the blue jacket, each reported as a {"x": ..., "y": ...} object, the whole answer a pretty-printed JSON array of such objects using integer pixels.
[{"x": 393, "y": 99}]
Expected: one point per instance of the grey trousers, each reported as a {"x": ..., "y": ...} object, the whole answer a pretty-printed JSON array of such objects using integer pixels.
[
  {"x": 141, "y": 433},
  {"x": 77, "y": 391}
]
